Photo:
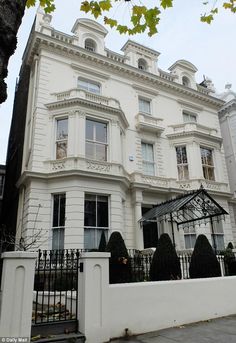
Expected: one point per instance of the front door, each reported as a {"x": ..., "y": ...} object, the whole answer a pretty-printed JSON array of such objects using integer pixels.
[{"x": 150, "y": 232}]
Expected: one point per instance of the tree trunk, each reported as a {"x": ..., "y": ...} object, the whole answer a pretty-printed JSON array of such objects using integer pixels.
[{"x": 11, "y": 14}]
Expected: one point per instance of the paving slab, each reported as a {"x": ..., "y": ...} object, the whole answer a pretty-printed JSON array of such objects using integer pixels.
[{"x": 220, "y": 330}]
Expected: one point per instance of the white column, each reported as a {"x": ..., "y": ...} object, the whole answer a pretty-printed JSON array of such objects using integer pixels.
[
  {"x": 94, "y": 297},
  {"x": 80, "y": 136},
  {"x": 71, "y": 133},
  {"x": 115, "y": 139},
  {"x": 137, "y": 203},
  {"x": 17, "y": 293}
]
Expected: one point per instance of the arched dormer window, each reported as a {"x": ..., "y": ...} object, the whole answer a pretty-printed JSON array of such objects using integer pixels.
[
  {"x": 142, "y": 64},
  {"x": 90, "y": 45},
  {"x": 185, "y": 81}
]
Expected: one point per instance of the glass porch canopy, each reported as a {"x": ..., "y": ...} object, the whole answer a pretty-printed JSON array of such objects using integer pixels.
[{"x": 190, "y": 209}]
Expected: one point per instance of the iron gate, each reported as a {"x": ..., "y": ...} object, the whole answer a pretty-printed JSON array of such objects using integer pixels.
[{"x": 56, "y": 287}]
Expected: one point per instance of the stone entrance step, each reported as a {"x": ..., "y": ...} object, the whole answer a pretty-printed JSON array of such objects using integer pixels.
[{"x": 63, "y": 338}]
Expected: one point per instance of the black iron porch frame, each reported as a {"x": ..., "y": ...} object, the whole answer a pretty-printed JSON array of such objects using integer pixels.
[{"x": 185, "y": 208}]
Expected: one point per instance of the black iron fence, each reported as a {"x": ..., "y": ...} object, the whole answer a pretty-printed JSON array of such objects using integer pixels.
[
  {"x": 140, "y": 265},
  {"x": 56, "y": 286}
]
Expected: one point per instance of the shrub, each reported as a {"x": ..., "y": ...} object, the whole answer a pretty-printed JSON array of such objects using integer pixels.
[
  {"x": 204, "y": 262},
  {"x": 230, "y": 245},
  {"x": 119, "y": 271},
  {"x": 230, "y": 262},
  {"x": 102, "y": 243},
  {"x": 165, "y": 264}
]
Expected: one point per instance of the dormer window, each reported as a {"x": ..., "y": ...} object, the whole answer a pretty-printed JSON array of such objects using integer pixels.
[
  {"x": 185, "y": 81},
  {"x": 90, "y": 45},
  {"x": 142, "y": 64}
]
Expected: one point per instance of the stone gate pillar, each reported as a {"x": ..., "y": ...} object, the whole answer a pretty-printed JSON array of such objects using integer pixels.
[
  {"x": 17, "y": 293},
  {"x": 94, "y": 296}
]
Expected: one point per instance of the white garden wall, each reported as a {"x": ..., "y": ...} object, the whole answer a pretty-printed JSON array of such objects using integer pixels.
[
  {"x": 106, "y": 311},
  {"x": 143, "y": 307}
]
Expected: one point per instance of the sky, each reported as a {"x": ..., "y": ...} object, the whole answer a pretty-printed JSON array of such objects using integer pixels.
[{"x": 181, "y": 35}]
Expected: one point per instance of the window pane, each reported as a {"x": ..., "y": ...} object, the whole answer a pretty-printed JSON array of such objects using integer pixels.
[
  {"x": 94, "y": 88},
  {"x": 89, "y": 238},
  {"x": 62, "y": 129},
  {"x": 144, "y": 106},
  {"x": 90, "y": 150},
  {"x": 102, "y": 211},
  {"x": 90, "y": 210},
  {"x": 57, "y": 239},
  {"x": 89, "y": 129},
  {"x": 101, "y": 152},
  {"x": 61, "y": 150},
  {"x": 83, "y": 84},
  {"x": 62, "y": 209},
  {"x": 190, "y": 241},
  {"x": 101, "y": 132},
  {"x": 219, "y": 240},
  {"x": 55, "y": 221}
]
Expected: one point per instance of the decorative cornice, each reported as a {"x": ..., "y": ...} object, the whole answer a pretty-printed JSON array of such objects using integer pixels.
[
  {"x": 90, "y": 71},
  {"x": 149, "y": 91},
  {"x": 65, "y": 48},
  {"x": 67, "y": 103},
  {"x": 229, "y": 106},
  {"x": 196, "y": 134},
  {"x": 190, "y": 105}
]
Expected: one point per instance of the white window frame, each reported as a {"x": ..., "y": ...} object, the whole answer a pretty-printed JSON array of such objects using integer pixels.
[
  {"x": 207, "y": 166},
  {"x": 59, "y": 140},
  {"x": 89, "y": 87},
  {"x": 59, "y": 229},
  {"x": 188, "y": 117},
  {"x": 94, "y": 141},
  {"x": 181, "y": 166},
  {"x": 190, "y": 232},
  {"x": 141, "y": 101},
  {"x": 142, "y": 64},
  {"x": 218, "y": 234},
  {"x": 148, "y": 162},
  {"x": 97, "y": 229},
  {"x": 89, "y": 47}
]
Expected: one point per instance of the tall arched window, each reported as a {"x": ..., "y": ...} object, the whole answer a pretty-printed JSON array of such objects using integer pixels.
[
  {"x": 90, "y": 44},
  {"x": 142, "y": 64},
  {"x": 185, "y": 81}
]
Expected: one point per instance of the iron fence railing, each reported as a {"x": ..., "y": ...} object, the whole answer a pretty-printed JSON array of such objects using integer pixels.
[
  {"x": 140, "y": 265},
  {"x": 56, "y": 286}
]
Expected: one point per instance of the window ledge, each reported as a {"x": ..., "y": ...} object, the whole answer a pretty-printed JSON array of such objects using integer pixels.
[{"x": 146, "y": 122}]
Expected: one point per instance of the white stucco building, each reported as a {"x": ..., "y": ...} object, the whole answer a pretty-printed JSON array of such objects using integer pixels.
[
  {"x": 227, "y": 116},
  {"x": 108, "y": 136}
]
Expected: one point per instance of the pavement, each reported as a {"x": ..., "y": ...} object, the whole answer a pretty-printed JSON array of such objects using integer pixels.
[{"x": 221, "y": 330}]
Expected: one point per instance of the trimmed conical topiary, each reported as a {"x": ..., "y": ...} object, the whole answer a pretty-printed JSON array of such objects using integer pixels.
[
  {"x": 230, "y": 245},
  {"x": 102, "y": 243},
  {"x": 165, "y": 263},
  {"x": 120, "y": 271},
  {"x": 204, "y": 262},
  {"x": 229, "y": 259}
]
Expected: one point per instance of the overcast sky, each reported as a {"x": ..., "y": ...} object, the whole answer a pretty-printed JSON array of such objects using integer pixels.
[{"x": 211, "y": 48}]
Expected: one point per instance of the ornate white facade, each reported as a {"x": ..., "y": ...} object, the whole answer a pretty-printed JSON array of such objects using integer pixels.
[{"x": 103, "y": 132}]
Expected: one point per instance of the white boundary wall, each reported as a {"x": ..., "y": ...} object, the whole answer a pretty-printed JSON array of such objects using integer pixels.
[
  {"x": 105, "y": 311},
  {"x": 150, "y": 306}
]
